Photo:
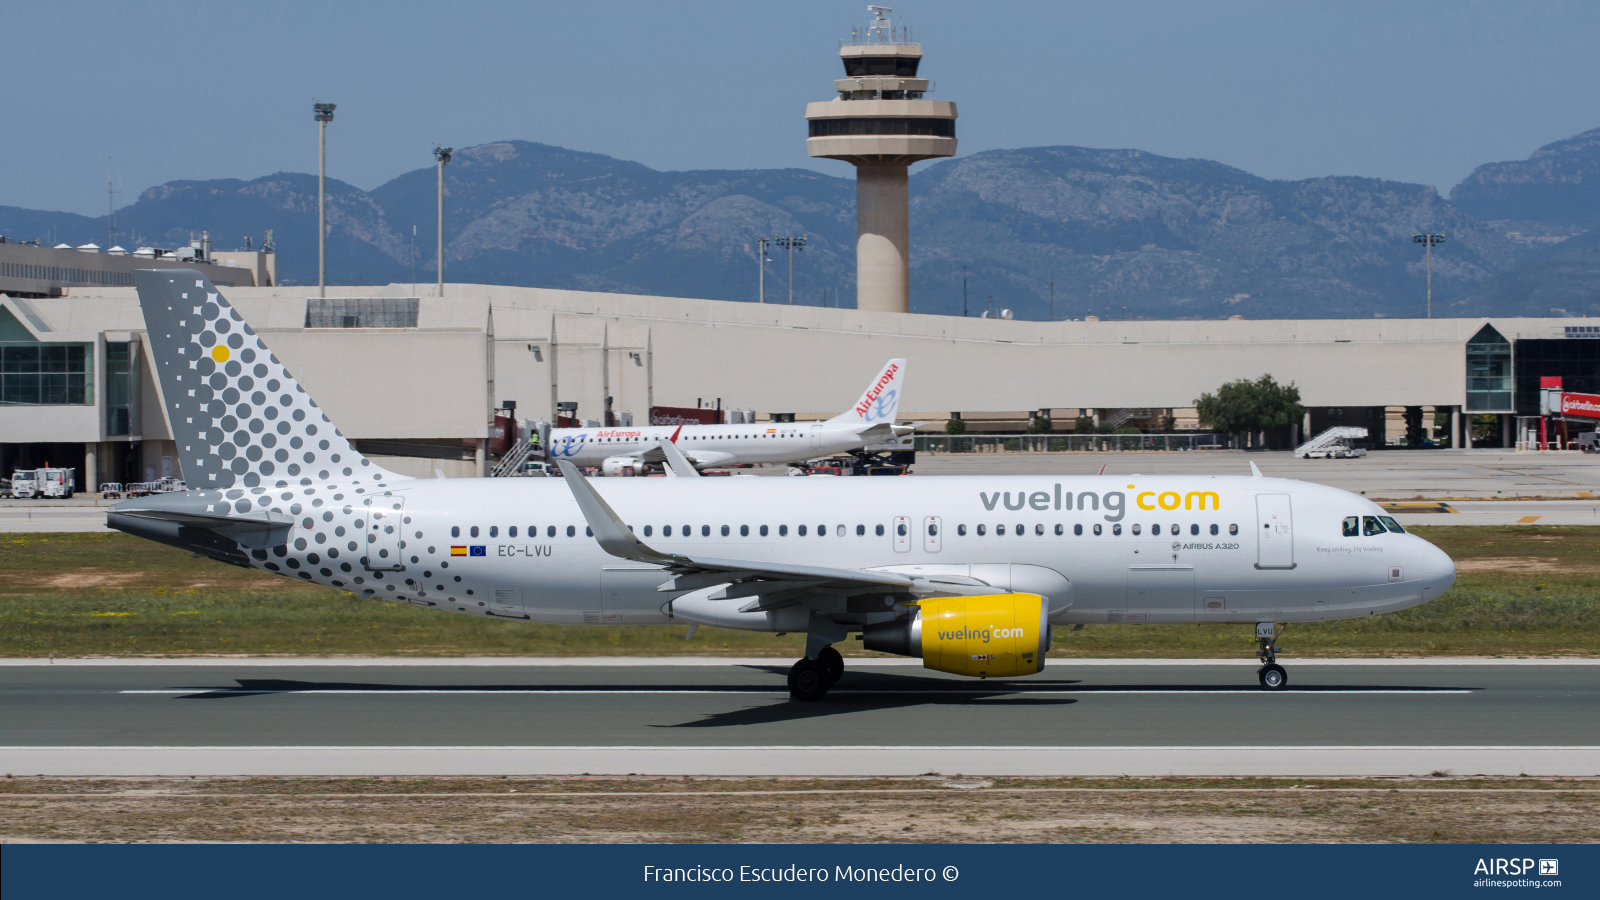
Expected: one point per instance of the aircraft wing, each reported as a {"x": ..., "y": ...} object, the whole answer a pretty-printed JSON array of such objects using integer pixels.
[{"x": 615, "y": 538}]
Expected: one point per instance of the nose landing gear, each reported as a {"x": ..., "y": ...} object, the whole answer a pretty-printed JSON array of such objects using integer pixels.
[
  {"x": 1271, "y": 675},
  {"x": 810, "y": 679}
]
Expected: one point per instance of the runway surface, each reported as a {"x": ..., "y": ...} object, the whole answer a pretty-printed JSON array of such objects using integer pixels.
[{"x": 264, "y": 719}]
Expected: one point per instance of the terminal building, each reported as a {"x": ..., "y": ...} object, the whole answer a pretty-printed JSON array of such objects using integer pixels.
[{"x": 416, "y": 382}]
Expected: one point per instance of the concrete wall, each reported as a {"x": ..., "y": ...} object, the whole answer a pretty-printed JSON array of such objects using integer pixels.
[{"x": 434, "y": 381}]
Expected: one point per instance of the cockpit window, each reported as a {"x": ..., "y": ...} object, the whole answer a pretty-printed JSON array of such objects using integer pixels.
[
  {"x": 1372, "y": 526},
  {"x": 1392, "y": 524},
  {"x": 1352, "y": 526}
]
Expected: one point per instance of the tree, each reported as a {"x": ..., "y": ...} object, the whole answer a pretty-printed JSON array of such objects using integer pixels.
[
  {"x": 1250, "y": 406},
  {"x": 1083, "y": 425},
  {"x": 955, "y": 426},
  {"x": 1038, "y": 424}
]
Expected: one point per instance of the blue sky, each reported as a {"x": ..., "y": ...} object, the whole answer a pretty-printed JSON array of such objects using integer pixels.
[{"x": 1413, "y": 92}]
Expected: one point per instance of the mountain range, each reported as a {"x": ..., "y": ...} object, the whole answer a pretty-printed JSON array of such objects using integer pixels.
[{"x": 1068, "y": 231}]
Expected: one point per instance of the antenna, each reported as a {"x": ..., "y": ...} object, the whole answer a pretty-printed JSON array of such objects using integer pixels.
[
  {"x": 880, "y": 22},
  {"x": 111, "y": 206}
]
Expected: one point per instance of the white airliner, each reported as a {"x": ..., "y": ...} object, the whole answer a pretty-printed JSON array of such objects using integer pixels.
[
  {"x": 968, "y": 573},
  {"x": 618, "y": 450}
]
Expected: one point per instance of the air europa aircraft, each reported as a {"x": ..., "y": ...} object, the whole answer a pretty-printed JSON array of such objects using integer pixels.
[
  {"x": 618, "y": 450},
  {"x": 970, "y": 574}
]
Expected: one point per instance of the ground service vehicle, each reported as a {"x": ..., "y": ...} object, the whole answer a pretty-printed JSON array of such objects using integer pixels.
[{"x": 969, "y": 574}]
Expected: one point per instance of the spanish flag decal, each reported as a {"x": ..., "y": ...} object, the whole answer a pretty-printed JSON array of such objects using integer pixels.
[{"x": 458, "y": 551}]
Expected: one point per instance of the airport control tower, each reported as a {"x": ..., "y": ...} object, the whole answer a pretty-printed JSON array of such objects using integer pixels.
[{"x": 879, "y": 123}]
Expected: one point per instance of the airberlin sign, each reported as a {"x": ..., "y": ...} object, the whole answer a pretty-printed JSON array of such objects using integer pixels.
[{"x": 1583, "y": 405}]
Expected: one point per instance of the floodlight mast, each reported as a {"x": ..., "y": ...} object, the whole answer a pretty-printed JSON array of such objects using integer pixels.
[
  {"x": 323, "y": 113},
  {"x": 791, "y": 244},
  {"x": 1429, "y": 240},
  {"x": 442, "y": 155}
]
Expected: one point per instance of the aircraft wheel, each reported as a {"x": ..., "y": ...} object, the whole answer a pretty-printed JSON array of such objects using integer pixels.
[
  {"x": 832, "y": 664},
  {"x": 808, "y": 680},
  {"x": 1273, "y": 677}
]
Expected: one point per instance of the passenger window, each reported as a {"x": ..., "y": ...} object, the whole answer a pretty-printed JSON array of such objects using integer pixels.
[
  {"x": 1136, "y": 529},
  {"x": 999, "y": 529},
  {"x": 822, "y": 531},
  {"x": 587, "y": 531},
  {"x": 687, "y": 531},
  {"x": 1022, "y": 530},
  {"x": 512, "y": 531},
  {"x": 1038, "y": 529},
  {"x": 666, "y": 531},
  {"x": 801, "y": 532},
  {"x": 1060, "y": 529},
  {"x": 1097, "y": 529},
  {"x": 961, "y": 530},
  {"x": 474, "y": 531},
  {"x": 724, "y": 531},
  {"x": 1194, "y": 529},
  {"x": 1352, "y": 526},
  {"x": 1392, "y": 525},
  {"x": 744, "y": 531},
  {"x": 647, "y": 531},
  {"x": 705, "y": 530},
  {"x": 933, "y": 530},
  {"x": 1177, "y": 530},
  {"x": 839, "y": 532},
  {"x": 1116, "y": 529},
  {"x": 494, "y": 531},
  {"x": 1077, "y": 530},
  {"x": 783, "y": 530},
  {"x": 861, "y": 530},
  {"x": 1213, "y": 528},
  {"x": 880, "y": 531},
  {"x": 572, "y": 531},
  {"x": 455, "y": 531},
  {"x": 900, "y": 529},
  {"x": 1233, "y": 529},
  {"x": 982, "y": 530},
  {"x": 1372, "y": 525},
  {"x": 550, "y": 531}
]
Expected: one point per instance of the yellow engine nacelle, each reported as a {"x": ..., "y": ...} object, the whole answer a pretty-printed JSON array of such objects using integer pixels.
[{"x": 996, "y": 635}]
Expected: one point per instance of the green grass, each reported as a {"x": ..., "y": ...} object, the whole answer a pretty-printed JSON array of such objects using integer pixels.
[{"x": 1524, "y": 591}]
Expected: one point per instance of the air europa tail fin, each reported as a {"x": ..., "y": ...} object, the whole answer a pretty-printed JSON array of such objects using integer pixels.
[
  {"x": 880, "y": 400},
  {"x": 238, "y": 416}
]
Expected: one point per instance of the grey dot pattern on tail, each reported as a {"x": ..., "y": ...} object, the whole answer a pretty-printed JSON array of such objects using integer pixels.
[{"x": 253, "y": 424}]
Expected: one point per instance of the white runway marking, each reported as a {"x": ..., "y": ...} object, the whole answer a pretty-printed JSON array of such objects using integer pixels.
[
  {"x": 802, "y": 760},
  {"x": 778, "y": 691}
]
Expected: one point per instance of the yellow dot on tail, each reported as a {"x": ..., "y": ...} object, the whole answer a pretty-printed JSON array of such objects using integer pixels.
[{"x": 220, "y": 353}]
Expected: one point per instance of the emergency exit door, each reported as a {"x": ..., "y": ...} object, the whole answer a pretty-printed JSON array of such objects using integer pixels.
[{"x": 1274, "y": 532}]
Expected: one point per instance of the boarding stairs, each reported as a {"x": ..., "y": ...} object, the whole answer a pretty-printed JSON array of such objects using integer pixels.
[
  {"x": 510, "y": 465},
  {"x": 1121, "y": 417},
  {"x": 1329, "y": 438}
]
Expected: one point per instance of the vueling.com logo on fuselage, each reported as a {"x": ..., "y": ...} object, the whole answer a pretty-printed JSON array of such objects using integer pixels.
[
  {"x": 982, "y": 634},
  {"x": 1114, "y": 502}
]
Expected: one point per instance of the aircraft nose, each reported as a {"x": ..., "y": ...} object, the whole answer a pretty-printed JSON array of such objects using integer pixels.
[{"x": 1437, "y": 564}]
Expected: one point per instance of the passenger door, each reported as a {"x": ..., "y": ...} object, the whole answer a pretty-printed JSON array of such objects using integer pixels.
[
  {"x": 1160, "y": 594},
  {"x": 902, "y": 534},
  {"x": 385, "y": 520},
  {"x": 931, "y": 538},
  {"x": 1274, "y": 532}
]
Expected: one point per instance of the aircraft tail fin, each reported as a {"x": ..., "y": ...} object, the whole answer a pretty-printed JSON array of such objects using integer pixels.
[
  {"x": 881, "y": 399},
  {"x": 238, "y": 417}
]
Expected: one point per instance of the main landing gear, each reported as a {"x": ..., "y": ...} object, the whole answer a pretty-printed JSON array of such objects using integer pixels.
[
  {"x": 810, "y": 679},
  {"x": 1271, "y": 675}
]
